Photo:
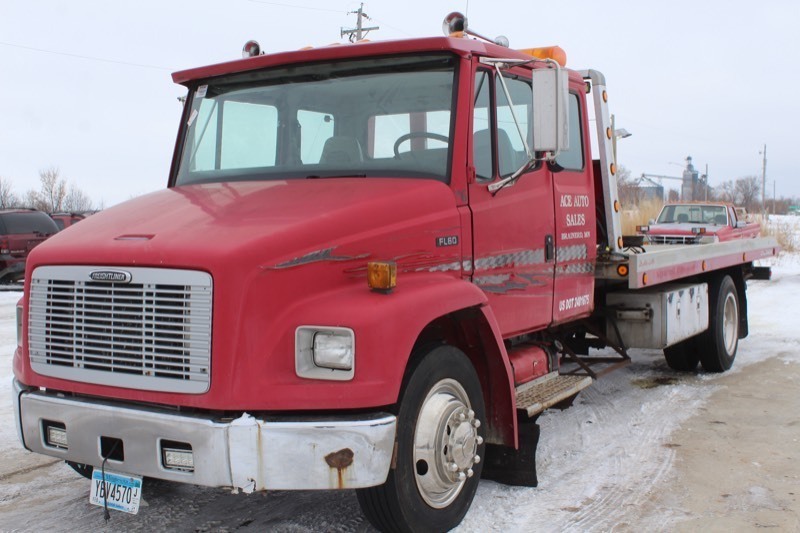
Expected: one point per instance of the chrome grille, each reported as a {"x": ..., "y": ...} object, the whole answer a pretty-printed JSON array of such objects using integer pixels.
[
  {"x": 152, "y": 333},
  {"x": 672, "y": 239}
]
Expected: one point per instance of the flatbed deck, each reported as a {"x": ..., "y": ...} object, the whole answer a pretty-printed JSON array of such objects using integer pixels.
[{"x": 662, "y": 263}]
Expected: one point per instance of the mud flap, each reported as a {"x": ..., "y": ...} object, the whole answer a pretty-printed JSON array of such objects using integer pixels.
[{"x": 514, "y": 467}]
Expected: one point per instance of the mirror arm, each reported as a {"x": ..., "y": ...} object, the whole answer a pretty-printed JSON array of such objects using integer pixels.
[{"x": 522, "y": 136}]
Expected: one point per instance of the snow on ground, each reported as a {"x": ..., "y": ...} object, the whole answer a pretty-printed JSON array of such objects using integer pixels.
[{"x": 599, "y": 462}]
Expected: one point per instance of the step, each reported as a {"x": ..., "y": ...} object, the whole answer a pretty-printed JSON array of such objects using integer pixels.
[{"x": 536, "y": 396}]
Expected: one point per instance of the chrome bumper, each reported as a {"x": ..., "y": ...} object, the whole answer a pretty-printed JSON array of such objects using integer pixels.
[{"x": 246, "y": 453}]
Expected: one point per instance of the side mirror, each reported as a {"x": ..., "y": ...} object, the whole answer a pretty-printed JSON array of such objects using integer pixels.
[
  {"x": 741, "y": 223},
  {"x": 550, "y": 111},
  {"x": 652, "y": 221}
]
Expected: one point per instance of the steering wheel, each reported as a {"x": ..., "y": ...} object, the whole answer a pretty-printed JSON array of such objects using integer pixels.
[{"x": 416, "y": 134}]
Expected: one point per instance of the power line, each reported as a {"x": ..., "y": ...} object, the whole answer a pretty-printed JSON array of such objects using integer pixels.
[
  {"x": 79, "y": 56},
  {"x": 359, "y": 32},
  {"x": 293, "y": 6}
]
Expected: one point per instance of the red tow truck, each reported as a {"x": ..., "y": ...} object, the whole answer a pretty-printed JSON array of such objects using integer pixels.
[
  {"x": 373, "y": 267},
  {"x": 694, "y": 222}
]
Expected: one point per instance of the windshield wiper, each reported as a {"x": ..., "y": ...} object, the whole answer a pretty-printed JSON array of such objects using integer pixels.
[{"x": 324, "y": 176}]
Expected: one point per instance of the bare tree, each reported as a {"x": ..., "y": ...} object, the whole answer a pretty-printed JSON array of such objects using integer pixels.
[
  {"x": 77, "y": 201},
  {"x": 33, "y": 200},
  {"x": 726, "y": 191},
  {"x": 748, "y": 192},
  {"x": 54, "y": 190},
  {"x": 7, "y": 197},
  {"x": 627, "y": 188}
]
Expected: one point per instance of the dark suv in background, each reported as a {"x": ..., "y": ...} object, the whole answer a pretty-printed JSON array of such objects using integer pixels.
[{"x": 20, "y": 231}]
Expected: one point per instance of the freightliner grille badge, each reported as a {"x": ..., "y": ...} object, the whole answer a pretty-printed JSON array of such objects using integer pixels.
[{"x": 110, "y": 276}]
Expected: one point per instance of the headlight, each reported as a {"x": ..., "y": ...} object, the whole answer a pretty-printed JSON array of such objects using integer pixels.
[{"x": 325, "y": 353}]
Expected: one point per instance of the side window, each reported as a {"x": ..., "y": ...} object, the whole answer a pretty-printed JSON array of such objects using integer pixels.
[
  {"x": 572, "y": 159},
  {"x": 482, "y": 127},
  {"x": 510, "y": 148},
  {"x": 315, "y": 129}
]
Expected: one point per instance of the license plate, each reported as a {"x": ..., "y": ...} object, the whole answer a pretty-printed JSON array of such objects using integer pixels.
[{"x": 123, "y": 490}]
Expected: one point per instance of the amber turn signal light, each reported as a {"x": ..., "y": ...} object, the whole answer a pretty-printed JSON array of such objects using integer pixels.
[{"x": 382, "y": 275}]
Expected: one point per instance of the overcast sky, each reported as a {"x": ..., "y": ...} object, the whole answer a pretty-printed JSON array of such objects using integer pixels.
[{"x": 85, "y": 85}]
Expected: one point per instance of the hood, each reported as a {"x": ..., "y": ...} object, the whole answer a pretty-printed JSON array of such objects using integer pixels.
[{"x": 204, "y": 225}]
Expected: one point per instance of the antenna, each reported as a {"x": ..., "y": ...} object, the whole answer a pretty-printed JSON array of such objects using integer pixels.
[{"x": 359, "y": 32}]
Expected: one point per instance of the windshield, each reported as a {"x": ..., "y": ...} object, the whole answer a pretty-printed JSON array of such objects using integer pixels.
[
  {"x": 376, "y": 117},
  {"x": 693, "y": 214}
]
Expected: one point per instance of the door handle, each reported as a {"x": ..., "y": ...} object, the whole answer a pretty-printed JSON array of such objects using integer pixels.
[{"x": 549, "y": 248}]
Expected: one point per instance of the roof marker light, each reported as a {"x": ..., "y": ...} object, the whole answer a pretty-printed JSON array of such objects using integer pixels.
[{"x": 556, "y": 53}]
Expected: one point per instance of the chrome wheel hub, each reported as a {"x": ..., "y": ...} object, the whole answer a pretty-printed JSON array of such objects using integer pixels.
[
  {"x": 446, "y": 442},
  {"x": 730, "y": 323}
]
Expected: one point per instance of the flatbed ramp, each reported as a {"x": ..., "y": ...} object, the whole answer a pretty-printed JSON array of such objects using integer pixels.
[{"x": 536, "y": 396}]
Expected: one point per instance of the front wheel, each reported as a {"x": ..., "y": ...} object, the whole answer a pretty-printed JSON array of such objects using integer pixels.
[
  {"x": 439, "y": 448},
  {"x": 721, "y": 340}
]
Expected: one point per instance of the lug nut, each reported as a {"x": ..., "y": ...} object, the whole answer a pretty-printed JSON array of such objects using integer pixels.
[
  {"x": 453, "y": 467},
  {"x": 476, "y": 459},
  {"x": 476, "y": 423},
  {"x": 479, "y": 440},
  {"x": 462, "y": 476},
  {"x": 470, "y": 473},
  {"x": 462, "y": 417},
  {"x": 470, "y": 414}
]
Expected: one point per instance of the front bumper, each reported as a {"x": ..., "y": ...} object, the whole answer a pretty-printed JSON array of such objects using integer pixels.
[{"x": 245, "y": 453}]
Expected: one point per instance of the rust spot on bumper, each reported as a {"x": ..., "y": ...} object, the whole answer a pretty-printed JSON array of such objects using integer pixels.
[{"x": 340, "y": 460}]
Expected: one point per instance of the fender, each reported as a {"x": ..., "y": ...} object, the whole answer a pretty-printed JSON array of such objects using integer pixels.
[{"x": 386, "y": 328}]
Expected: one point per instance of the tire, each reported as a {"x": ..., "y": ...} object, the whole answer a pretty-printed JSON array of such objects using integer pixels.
[
  {"x": 721, "y": 340},
  {"x": 683, "y": 356},
  {"x": 82, "y": 469},
  {"x": 439, "y": 449}
]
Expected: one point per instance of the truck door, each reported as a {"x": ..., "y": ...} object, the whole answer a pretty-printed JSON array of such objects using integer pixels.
[
  {"x": 513, "y": 228},
  {"x": 576, "y": 250}
]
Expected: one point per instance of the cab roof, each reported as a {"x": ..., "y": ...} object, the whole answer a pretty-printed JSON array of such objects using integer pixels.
[{"x": 463, "y": 47}]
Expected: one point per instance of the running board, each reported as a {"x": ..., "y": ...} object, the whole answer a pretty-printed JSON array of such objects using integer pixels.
[{"x": 536, "y": 396}]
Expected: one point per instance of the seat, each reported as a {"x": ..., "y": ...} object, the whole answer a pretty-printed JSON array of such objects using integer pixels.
[
  {"x": 341, "y": 151},
  {"x": 683, "y": 218}
]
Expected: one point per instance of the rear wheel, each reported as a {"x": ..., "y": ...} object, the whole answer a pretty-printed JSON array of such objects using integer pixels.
[
  {"x": 683, "y": 356},
  {"x": 439, "y": 448},
  {"x": 721, "y": 340}
]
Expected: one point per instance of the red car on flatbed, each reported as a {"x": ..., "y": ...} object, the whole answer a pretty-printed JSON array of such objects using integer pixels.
[{"x": 691, "y": 223}]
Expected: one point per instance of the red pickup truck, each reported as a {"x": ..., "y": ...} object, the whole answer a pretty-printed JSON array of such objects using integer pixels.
[{"x": 690, "y": 223}]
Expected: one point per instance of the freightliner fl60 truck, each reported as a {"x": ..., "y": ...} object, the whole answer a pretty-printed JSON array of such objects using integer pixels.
[{"x": 373, "y": 267}]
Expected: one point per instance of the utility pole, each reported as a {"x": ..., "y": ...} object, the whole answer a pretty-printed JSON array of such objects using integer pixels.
[
  {"x": 764, "y": 183},
  {"x": 359, "y": 32}
]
